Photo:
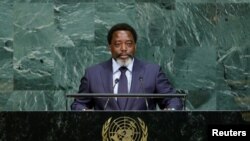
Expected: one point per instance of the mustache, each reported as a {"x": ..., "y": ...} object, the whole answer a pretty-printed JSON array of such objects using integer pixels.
[{"x": 130, "y": 55}]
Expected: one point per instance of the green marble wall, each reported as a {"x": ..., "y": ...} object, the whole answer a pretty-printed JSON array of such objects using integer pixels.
[{"x": 203, "y": 46}]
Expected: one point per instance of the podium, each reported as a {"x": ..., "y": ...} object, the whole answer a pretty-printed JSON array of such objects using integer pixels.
[
  {"x": 122, "y": 125},
  {"x": 104, "y": 126},
  {"x": 134, "y": 95},
  {"x": 151, "y": 125}
]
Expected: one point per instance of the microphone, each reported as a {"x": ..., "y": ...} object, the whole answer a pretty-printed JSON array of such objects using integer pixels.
[
  {"x": 116, "y": 81},
  {"x": 143, "y": 90}
]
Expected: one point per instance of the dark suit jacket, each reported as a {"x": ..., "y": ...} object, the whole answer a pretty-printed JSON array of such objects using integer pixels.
[{"x": 98, "y": 79}]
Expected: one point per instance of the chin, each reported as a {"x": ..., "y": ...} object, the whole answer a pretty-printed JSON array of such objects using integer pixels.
[{"x": 123, "y": 62}]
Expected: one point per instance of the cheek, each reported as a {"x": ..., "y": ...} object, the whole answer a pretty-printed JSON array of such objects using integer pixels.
[
  {"x": 113, "y": 51},
  {"x": 132, "y": 50}
]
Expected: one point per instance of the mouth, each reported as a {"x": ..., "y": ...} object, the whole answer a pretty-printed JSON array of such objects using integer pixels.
[{"x": 123, "y": 56}]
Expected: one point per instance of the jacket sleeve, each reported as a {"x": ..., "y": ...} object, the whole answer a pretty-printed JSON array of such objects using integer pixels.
[
  {"x": 163, "y": 86},
  {"x": 80, "y": 104}
]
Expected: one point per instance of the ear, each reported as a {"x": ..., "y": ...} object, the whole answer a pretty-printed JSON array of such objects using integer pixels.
[{"x": 109, "y": 47}]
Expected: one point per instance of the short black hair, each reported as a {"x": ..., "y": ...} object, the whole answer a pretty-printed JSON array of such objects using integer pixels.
[{"x": 121, "y": 26}]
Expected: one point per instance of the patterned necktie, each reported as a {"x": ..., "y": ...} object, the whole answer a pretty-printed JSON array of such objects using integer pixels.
[{"x": 122, "y": 87}]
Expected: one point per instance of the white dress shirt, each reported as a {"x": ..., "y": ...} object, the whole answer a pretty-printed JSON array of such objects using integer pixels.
[{"x": 117, "y": 73}]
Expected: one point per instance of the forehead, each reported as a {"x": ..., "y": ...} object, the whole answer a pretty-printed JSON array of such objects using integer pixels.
[{"x": 122, "y": 34}]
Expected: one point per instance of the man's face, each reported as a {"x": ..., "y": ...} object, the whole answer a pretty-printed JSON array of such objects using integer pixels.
[{"x": 122, "y": 45}]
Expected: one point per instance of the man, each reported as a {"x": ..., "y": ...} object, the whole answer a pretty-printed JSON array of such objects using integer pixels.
[{"x": 124, "y": 73}]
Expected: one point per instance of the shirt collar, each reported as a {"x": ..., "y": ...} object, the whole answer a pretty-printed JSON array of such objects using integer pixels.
[{"x": 116, "y": 66}]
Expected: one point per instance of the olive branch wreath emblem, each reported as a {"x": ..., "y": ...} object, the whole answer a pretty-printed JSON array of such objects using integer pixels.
[{"x": 106, "y": 126}]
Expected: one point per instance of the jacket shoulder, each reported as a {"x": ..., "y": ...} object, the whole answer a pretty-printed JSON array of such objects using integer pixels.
[{"x": 148, "y": 64}]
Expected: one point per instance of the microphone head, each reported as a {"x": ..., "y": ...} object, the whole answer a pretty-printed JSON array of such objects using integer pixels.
[
  {"x": 140, "y": 78},
  {"x": 116, "y": 80}
]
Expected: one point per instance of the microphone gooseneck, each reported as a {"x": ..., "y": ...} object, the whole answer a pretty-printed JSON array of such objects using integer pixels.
[
  {"x": 141, "y": 84},
  {"x": 143, "y": 90},
  {"x": 106, "y": 104}
]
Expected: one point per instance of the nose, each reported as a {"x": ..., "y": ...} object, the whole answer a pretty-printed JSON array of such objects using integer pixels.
[{"x": 123, "y": 47}]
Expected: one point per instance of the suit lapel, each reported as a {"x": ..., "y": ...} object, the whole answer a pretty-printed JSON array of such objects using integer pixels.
[
  {"x": 107, "y": 81},
  {"x": 106, "y": 76},
  {"x": 138, "y": 71},
  {"x": 136, "y": 85}
]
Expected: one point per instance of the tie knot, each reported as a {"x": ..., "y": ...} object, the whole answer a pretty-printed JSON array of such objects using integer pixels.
[{"x": 123, "y": 69}]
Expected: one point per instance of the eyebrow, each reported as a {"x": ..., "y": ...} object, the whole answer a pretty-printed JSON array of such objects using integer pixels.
[{"x": 125, "y": 41}]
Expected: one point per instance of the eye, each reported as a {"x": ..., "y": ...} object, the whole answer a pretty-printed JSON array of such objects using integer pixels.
[
  {"x": 117, "y": 45},
  {"x": 129, "y": 44}
]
